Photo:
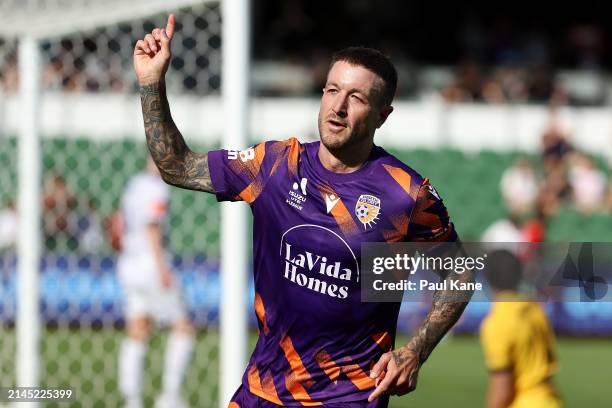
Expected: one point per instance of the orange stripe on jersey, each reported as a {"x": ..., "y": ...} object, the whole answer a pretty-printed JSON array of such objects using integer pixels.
[
  {"x": 341, "y": 214},
  {"x": 252, "y": 167},
  {"x": 251, "y": 192},
  {"x": 298, "y": 377},
  {"x": 254, "y": 381},
  {"x": 401, "y": 177},
  {"x": 267, "y": 391},
  {"x": 358, "y": 377},
  {"x": 298, "y": 392},
  {"x": 344, "y": 219},
  {"x": 233, "y": 405},
  {"x": 293, "y": 156},
  {"x": 279, "y": 160},
  {"x": 260, "y": 311},
  {"x": 328, "y": 365},
  {"x": 277, "y": 150},
  {"x": 383, "y": 340}
]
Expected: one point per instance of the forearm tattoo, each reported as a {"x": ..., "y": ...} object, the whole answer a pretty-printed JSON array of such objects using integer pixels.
[
  {"x": 178, "y": 165},
  {"x": 447, "y": 307}
]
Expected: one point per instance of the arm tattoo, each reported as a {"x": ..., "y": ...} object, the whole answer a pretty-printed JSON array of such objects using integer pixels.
[
  {"x": 447, "y": 307},
  {"x": 178, "y": 165},
  {"x": 399, "y": 358}
]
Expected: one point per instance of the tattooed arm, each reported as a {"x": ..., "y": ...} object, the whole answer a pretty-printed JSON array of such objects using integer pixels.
[
  {"x": 447, "y": 307},
  {"x": 178, "y": 165}
]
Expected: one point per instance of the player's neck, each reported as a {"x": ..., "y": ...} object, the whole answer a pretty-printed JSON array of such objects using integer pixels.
[{"x": 346, "y": 160}]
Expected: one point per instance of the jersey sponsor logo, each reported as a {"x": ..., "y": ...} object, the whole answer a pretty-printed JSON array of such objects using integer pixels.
[
  {"x": 302, "y": 185},
  {"x": 367, "y": 210},
  {"x": 330, "y": 201},
  {"x": 327, "y": 270},
  {"x": 245, "y": 155},
  {"x": 297, "y": 194}
]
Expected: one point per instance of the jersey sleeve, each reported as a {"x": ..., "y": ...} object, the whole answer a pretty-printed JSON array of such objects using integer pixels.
[
  {"x": 497, "y": 346},
  {"x": 242, "y": 175},
  {"x": 429, "y": 220}
]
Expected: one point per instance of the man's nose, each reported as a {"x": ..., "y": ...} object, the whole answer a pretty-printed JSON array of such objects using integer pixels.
[{"x": 340, "y": 106}]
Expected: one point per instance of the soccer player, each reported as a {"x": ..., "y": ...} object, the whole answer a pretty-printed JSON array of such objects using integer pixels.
[
  {"x": 314, "y": 204},
  {"x": 151, "y": 291},
  {"x": 518, "y": 342}
]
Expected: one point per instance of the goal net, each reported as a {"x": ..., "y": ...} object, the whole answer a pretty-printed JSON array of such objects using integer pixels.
[{"x": 91, "y": 144}]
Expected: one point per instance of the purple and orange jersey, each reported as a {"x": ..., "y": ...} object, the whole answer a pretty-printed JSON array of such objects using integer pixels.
[{"x": 317, "y": 340}]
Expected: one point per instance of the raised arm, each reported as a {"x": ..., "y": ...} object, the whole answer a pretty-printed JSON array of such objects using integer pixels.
[{"x": 178, "y": 165}]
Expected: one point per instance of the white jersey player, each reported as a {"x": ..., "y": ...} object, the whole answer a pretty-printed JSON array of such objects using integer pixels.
[{"x": 151, "y": 292}]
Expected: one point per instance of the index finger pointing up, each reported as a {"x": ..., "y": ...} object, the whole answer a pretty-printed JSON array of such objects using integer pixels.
[{"x": 170, "y": 26}]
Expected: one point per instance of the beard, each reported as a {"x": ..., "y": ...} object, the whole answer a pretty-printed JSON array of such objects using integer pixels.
[{"x": 346, "y": 138}]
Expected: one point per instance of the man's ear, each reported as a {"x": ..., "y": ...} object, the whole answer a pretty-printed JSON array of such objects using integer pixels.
[{"x": 384, "y": 114}]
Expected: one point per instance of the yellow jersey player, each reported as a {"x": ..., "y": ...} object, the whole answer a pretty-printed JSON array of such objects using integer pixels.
[{"x": 518, "y": 342}]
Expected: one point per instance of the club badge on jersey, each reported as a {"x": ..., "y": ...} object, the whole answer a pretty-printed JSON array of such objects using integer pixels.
[{"x": 367, "y": 210}]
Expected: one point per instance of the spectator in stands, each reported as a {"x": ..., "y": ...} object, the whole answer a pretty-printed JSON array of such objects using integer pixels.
[
  {"x": 555, "y": 150},
  {"x": 468, "y": 84},
  {"x": 555, "y": 145},
  {"x": 9, "y": 227},
  {"x": 588, "y": 184},
  {"x": 511, "y": 81},
  {"x": 519, "y": 186},
  {"x": 534, "y": 229},
  {"x": 543, "y": 88},
  {"x": 59, "y": 220},
  {"x": 505, "y": 229}
]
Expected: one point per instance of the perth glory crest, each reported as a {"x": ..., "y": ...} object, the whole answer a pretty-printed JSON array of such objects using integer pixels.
[{"x": 367, "y": 210}]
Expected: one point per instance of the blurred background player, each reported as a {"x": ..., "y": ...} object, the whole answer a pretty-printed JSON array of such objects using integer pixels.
[
  {"x": 518, "y": 342},
  {"x": 151, "y": 291}
]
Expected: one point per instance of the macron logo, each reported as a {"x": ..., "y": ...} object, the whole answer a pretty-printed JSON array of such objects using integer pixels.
[{"x": 330, "y": 201}]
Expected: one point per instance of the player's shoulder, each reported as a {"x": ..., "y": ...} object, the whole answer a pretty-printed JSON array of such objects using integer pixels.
[
  {"x": 391, "y": 163},
  {"x": 283, "y": 146},
  {"x": 271, "y": 153},
  {"x": 399, "y": 173}
]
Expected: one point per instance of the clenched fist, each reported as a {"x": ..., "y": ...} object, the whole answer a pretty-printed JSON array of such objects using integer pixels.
[{"x": 152, "y": 54}]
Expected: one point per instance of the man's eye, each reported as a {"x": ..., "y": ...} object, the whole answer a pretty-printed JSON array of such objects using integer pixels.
[
  {"x": 332, "y": 90},
  {"x": 357, "y": 98}
]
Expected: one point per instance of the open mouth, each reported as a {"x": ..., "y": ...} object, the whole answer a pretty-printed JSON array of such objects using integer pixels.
[{"x": 336, "y": 125}]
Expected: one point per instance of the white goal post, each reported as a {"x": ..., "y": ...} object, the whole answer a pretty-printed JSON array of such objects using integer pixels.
[{"x": 29, "y": 23}]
